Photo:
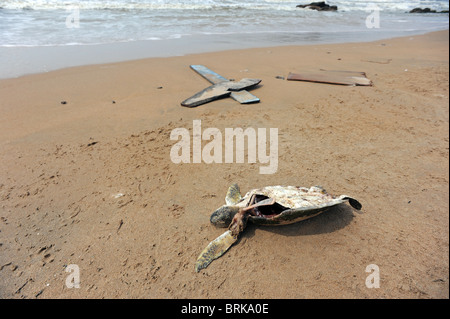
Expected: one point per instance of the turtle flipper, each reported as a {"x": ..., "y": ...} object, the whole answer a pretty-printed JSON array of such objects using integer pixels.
[
  {"x": 353, "y": 202},
  {"x": 233, "y": 195},
  {"x": 215, "y": 249}
]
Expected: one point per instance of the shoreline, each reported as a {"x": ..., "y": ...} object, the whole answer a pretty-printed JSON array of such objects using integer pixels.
[
  {"x": 90, "y": 182},
  {"x": 22, "y": 60}
]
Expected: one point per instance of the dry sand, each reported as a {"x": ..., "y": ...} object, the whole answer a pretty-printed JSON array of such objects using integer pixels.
[{"x": 63, "y": 166}]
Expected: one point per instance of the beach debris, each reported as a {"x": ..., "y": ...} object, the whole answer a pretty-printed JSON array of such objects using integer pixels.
[
  {"x": 319, "y": 6},
  {"x": 219, "y": 90},
  {"x": 378, "y": 60},
  {"x": 120, "y": 225},
  {"x": 279, "y": 77},
  {"x": 351, "y": 78},
  {"x": 271, "y": 205},
  {"x": 63, "y": 102},
  {"x": 221, "y": 87}
]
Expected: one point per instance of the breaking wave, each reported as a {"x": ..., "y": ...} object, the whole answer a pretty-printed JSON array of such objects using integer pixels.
[{"x": 344, "y": 5}]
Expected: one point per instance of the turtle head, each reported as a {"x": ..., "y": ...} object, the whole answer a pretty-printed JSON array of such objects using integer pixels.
[{"x": 223, "y": 216}]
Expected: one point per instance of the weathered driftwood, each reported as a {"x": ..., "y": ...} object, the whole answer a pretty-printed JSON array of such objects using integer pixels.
[
  {"x": 242, "y": 96},
  {"x": 219, "y": 90},
  {"x": 332, "y": 77}
]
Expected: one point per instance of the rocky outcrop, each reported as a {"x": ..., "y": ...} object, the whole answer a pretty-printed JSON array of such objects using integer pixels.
[
  {"x": 319, "y": 6},
  {"x": 426, "y": 10}
]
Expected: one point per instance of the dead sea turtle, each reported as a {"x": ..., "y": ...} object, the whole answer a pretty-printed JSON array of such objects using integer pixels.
[{"x": 271, "y": 205}]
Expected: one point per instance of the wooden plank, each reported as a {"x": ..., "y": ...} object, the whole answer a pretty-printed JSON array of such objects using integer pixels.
[
  {"x": 208, "y": 74},
  {"x": 243, "y": 97},
  {"x": 207, "y": 95},
  {"x": 219, "y": 90},
  {"x": 332, "y": 77}
]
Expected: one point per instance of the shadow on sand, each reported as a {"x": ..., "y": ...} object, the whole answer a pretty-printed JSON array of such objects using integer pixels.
[{"x": 336, "y": 218}]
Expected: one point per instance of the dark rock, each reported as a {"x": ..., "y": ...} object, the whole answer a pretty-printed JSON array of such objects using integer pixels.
[
  {"x": 422, "y": 10},
  {"x": 319, "y": 6}
]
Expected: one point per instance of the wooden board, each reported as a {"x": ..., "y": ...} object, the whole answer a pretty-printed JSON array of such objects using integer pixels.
[
  {"x": 207, "y": 95},
  {"x": 208, "y": 74},
  {"x": 219, "y": 90},
  {"x": 243, "y": 96},
  {"x": 332, "y": 77}
]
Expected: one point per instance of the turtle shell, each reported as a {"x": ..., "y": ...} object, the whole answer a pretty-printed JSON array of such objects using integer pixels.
[{"x": 292, "y": 204}]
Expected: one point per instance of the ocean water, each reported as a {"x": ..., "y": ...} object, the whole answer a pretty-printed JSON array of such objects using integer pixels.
[{"x": 120, "y": 30}]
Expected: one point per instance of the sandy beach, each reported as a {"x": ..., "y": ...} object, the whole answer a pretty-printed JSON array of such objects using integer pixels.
[{"x": 90, "y": 182}]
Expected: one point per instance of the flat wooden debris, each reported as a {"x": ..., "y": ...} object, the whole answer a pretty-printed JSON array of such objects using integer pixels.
[{"x": 351, "y": 78}]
